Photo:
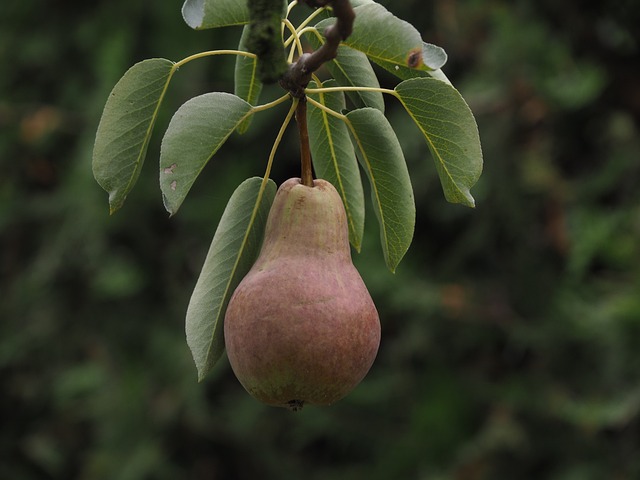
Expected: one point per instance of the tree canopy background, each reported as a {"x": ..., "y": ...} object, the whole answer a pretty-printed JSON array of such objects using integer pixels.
[{"x": 511, "y": 332}]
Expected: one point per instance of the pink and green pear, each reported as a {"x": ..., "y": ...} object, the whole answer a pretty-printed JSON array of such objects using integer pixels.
[{"x": 301, "y": 327}]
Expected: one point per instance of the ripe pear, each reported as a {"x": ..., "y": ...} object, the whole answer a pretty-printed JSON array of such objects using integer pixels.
[{"x": 301, "y": 326}]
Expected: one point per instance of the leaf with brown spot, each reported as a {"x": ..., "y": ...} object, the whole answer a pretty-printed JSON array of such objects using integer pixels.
[
  {"x": 196, "y": 132},
  {"x": 388, "y": 40}
]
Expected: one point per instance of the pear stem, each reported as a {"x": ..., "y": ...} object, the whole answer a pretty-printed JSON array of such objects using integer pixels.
[{"x": 305, "y": 151}]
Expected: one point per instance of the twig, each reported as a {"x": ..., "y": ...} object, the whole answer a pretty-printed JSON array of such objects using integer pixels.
[
  {"x": 299, "y": 73},
  {"x": 297, "y": 77}
]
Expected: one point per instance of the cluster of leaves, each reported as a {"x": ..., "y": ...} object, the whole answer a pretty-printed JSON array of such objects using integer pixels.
[
  {"x": 342, "y": 135},
  {"x": 503, "y": 357}
]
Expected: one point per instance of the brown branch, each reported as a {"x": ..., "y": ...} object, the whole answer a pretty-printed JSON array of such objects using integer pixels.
[{"x": 296, "y": 79}]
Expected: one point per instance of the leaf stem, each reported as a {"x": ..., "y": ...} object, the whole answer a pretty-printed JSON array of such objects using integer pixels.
[
  {"x": 310, "y": 18},
  {"x": 267, "y": 106},
  {"x": 277, "y": 141},
  {"x": 352, "y": 89},
  {"x": 291, "y": 6},
  {"x": 211, "y": 53},
  {"x": 314, "y": 30},
  {"x": 326, "y": 109},
  {"x": 293, "y": 38}
]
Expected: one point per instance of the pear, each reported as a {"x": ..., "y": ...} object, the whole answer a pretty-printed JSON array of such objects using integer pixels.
[{"x": 301, "y": 327}]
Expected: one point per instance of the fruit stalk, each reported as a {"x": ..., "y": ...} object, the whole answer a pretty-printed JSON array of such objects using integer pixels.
[{"x": 305, "y": 150}]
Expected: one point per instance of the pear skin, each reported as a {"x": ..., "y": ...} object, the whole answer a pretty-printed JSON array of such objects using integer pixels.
[{"x": 301, "y": 327}]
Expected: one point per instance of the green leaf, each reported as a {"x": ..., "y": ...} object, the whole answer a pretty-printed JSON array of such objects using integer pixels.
[
  {"x": 352, "y": 68},
  {"x": 125, "y": 128},
  {"x": 334, "y": 158},
  {"x": 386, "y": 39},
  {"x": 233, "y": 251},
  {"x": 202, "y": 14},
  {"x": 391, "y": 191},
  {"x": 196, "y": 132},
  {"x": 451, "y": 133},
  {"x": 247, "y": 85}
]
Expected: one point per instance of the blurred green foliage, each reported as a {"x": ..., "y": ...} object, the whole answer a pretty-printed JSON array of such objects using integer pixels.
[{"x": 510, "y": 332}]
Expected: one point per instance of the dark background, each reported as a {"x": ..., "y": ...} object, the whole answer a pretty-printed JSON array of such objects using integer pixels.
[{"x": 511, "y": 332}]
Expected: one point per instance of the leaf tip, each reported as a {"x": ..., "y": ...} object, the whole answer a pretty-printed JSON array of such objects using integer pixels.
[
  {"x": 463, "y": 198},
  {"x": 468, "y": 200},
  {"x": 165, "y": 201},
  {"x": 115, "y": 203},
  {"x": 392, "y": 263}
]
